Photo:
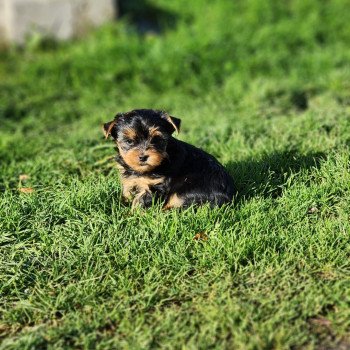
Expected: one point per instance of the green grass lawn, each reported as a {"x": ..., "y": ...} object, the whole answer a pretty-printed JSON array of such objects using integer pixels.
[{"x": 262, "y": 85}]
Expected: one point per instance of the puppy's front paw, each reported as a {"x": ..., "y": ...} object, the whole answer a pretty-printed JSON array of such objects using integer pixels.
[
  {"x": 142, "y": 200},
  {"x": 146, "y": 200}
]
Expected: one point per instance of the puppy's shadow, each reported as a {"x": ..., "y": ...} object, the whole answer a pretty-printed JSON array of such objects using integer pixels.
[
  {"x": 147, "y": 17},
  {"x": 266, "y": 176}
]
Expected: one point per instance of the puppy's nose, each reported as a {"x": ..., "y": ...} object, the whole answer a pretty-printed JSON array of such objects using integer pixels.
[{"x": 143, "y": 158}]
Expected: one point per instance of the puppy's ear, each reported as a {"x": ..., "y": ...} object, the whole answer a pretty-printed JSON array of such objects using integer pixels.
[
  {"x": 109, "y": 129},
  {"x": 173, "y": 122}
]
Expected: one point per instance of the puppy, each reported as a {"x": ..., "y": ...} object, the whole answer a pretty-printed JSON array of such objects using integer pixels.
[{"x": 155, "y": 166}]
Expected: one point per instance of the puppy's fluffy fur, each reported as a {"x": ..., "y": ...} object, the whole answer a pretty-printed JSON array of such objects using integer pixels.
[{"x": 155, "y": 166}]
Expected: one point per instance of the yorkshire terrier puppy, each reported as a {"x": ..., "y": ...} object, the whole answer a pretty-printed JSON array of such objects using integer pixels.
[{"x": 154, "y": 165}]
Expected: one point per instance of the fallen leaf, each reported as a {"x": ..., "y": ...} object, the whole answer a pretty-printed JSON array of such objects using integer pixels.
[
  {"x": 26, "y": 190},
  {"x": 312, "y": 210},
  {"x": 200, "y": 236},
  {"x": 5, "y": 329},
  {"x": 24, "y": 177},
  {"x": 320, "y": 321}
]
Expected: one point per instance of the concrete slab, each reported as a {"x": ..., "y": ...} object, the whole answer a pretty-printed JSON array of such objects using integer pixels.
[{"x": 61, "y": 19}]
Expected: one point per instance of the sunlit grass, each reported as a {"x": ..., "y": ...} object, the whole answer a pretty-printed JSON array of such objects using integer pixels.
[{"x": 263, "y": 86}]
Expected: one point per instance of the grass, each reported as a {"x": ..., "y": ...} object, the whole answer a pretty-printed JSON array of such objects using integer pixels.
[{"x": 262, "y": 85}]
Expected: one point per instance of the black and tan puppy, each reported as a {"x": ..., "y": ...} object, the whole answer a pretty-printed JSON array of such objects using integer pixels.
[{"x": 155, "y": 166}]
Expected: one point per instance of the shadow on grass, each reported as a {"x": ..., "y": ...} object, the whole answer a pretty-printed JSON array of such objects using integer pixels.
[
  {"x": 268, "y": 175},
  {"x": 146, "y": 17}
]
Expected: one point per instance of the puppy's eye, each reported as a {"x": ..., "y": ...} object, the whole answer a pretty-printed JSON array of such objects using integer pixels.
[{"x": 129, "y": 142}]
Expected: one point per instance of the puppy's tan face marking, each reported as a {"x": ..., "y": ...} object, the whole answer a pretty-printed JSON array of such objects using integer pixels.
[
  {"x": 154, "y": 131},
  {"x": 132, "y": 159},
  {"x": 129, "y": 133}
]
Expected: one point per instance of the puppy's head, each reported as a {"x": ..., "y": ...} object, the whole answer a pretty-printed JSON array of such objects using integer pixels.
[{"x": 142, "y": 136}]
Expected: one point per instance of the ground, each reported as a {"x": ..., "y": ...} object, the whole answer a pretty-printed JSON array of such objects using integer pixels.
[{"x": 262, "y": 85}]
